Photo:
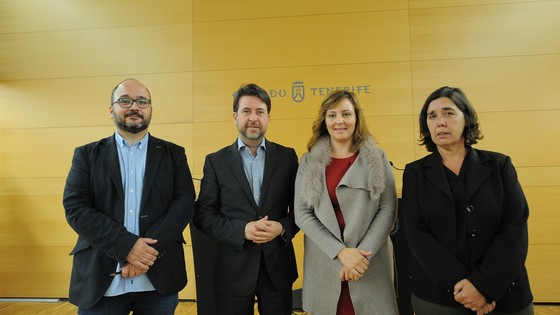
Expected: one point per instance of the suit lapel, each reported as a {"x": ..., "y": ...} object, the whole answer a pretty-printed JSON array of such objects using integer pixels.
[
  {"x": 239, "y": 174},
  {"x": 477, "y": 172},
  {"x": 155, "y": 151},
  {"x": 109, "y": 154},
  {"x": 436, "y": 174},
  {"x": 269, "y": 164}
]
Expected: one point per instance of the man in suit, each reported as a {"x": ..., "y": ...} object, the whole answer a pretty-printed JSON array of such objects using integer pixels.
[
  {"x": 128, "y": 197},
  {"x": 246, "y": 203}
]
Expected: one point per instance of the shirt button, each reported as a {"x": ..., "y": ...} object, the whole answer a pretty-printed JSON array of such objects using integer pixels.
[{"x": 470, "y": 208}]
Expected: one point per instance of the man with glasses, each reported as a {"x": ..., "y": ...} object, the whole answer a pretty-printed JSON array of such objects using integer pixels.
[{"x": 128, "y": 197}]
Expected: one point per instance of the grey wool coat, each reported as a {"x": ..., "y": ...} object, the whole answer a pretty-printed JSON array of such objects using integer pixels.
[{"x": 368, "y": 201}]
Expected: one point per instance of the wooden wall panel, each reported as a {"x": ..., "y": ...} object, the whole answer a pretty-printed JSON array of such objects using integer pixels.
[
  {"x": 55, "y": 15},
  {"x": 487, "y": 30},
  {"x": 85, "y": 101},
  {"x": 301, "y": 41},
  {"x": 216, "y": 10},
  {"x": 544, "y": 216},
  {"x": 542, "y": 264},
  {"x": 417, "y": 4},
  {"x": 527, "y": 136},
  {"x": 35, "y": 271},
  {"x": 111, "y": 51},
  {"x": 493, "y": 84},
  {"x": 393, "y": 134},
  {"x": 539, "y": 176},
  {"x": 382, "y": 88}
]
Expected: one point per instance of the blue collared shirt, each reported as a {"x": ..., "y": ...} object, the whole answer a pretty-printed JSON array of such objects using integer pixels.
[
  {"x": 132, "y": 160},
  {"x": 253, "y": 166}
]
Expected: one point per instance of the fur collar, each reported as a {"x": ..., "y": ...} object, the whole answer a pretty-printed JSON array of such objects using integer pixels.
[{"x": 370, "y": 157}]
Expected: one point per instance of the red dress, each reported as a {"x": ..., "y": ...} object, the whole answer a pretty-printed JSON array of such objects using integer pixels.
[{"x": 334, "y": 173}]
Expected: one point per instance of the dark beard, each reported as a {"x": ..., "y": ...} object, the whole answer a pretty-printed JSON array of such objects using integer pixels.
[{"x": 141, "y": 126}]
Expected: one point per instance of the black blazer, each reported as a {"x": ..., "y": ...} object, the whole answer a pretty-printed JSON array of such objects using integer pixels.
[
  {"x": 94, "y": 204},
  {"x": 225, "y": 205},
  {"x": 496, "y": 216}
]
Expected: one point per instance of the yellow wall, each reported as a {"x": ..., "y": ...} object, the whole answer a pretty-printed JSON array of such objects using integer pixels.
[{"x": 60, "y": 59}]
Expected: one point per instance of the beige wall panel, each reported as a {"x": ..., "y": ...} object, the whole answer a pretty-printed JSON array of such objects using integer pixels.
[
  {"x": 85, "y": 101},
  {"x": 35, "y": 271},
  {"x": 528, "y": 137},
  {"x": 394, "y": 135},
  {"x": 485, "y": 30},
  {"x": 33, "y": 187},
  {"x": 96, "y": 52},
  {"x": 382, "y": 88},
  {"x": 301, "y": 41},
  {"x": 539, "y": 176},
  {"x": 542, "y": 264},
  {"x": 493, "y": 84},
  {"x": 40, "y": 16},
  {"x": 34, "y": 221},
  {"x": 416, "y": 4},
  {"x": 216, "y": 10},
  {"x": 208, "y": 138},
  {"x": 544, "y": 216},
  {"x": 292, "y": 133},
  {"x": 44, "y": 153},
  {"x": 55, "y": 147}
]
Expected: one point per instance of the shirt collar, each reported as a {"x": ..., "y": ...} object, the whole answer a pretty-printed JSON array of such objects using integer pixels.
[
  {"x": 241, "y": 144},
  {"x": 140, "y": 144}
]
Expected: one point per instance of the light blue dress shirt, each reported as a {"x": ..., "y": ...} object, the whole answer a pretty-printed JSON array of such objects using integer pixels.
[
  {"x": 253, "y": 166},
  {"x": 132, "y": 160}
]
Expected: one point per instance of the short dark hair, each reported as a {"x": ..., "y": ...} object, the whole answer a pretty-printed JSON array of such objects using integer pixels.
[
  {"x": 251, "y": 89},
  {"x": 471, "y": 133}
]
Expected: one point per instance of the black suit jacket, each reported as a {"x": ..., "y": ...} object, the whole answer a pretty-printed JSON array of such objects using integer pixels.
[
  {"x": 226, "y": 204},
  {"x": 496, "y": 213},
  {"x": 94, "y": 204}
]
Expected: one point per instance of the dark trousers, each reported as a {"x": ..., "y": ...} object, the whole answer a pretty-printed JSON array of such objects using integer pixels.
[
  {"x": 271, "y": 301},
  {"x": 140, "y": 303}
]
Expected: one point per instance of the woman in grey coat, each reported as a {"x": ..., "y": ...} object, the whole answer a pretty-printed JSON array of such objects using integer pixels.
[{"x": 345, "y": 203}]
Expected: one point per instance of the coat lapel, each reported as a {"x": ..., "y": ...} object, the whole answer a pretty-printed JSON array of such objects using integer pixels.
[
  {"x": 239, "y": 174},
  {"x": 154, "y": 154},
  {"x": 269, "y": 164},
  {"x": 109, "y": 154},
  {"x": 436, "y": 174},
  {"x": 477, "y": 172}
]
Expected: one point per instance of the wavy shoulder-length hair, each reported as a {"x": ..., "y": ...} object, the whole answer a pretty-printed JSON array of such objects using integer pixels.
[
  {"x": 319, "y": 129},
  {"x": 471, "y": 133}
]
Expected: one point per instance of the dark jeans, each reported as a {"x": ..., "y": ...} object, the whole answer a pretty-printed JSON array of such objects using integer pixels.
[
  {"x": 423, "y": 307},
  {"x": 141, "y": 303}
]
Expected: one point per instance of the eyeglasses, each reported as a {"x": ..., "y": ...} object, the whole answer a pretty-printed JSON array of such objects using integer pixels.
[{"x": 126, "y": 102}]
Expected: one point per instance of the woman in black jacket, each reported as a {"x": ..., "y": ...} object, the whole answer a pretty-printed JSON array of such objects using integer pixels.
[{"x": 465, "y": 217}]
